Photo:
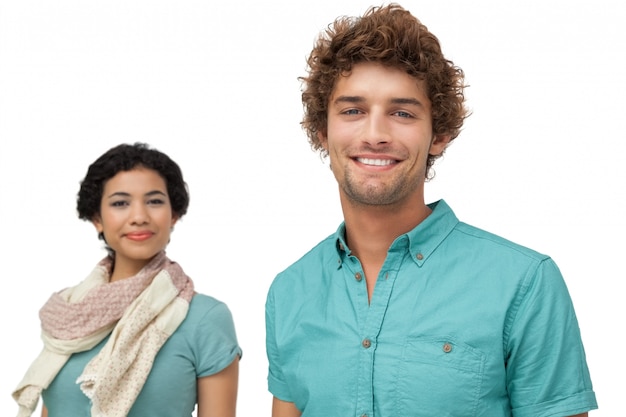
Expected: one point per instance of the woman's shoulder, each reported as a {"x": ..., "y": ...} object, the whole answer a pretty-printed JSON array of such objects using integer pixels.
[
  {"x": 204, "y": 306},
  {"x": 203, "y": 300},
  {"x": 209, "y": 327}
]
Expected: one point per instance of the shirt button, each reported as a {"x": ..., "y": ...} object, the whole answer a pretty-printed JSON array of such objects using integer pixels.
[
  {"x": 447, "y": 347},
  {"x": 419, "y": 256},
  {"x": 358, "y": 276},
  {"x": 366, "y": 343}
]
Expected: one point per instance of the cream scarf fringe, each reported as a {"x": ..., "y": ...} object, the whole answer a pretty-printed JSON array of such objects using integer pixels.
[{"x": 116, "y": 375}]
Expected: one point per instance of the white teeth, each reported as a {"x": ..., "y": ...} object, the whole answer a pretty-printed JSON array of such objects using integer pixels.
[{"x": 377, "y": 162}]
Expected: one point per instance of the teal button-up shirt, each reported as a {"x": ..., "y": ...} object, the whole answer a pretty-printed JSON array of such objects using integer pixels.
[{"x": 461, "y": 323}]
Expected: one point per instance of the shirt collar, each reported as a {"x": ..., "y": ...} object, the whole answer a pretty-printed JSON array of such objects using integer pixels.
[{"x": 422, "y": 240}]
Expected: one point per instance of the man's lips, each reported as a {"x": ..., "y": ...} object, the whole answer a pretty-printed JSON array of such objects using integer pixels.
[
  {"x": 138, "y": 236},
  {"x": 379, "y": 162}
]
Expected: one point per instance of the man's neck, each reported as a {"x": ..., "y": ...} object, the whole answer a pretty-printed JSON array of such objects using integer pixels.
[{"x": 370, "y": 230}]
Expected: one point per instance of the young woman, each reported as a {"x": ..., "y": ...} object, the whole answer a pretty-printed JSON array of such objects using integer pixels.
[{"x": 133, "y": 338}]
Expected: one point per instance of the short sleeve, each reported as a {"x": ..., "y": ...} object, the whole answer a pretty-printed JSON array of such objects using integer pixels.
[
  {"x": 275, "y": 379},
  {"x": 547, "y": 373},
  {"x": 215, "y": 338}
]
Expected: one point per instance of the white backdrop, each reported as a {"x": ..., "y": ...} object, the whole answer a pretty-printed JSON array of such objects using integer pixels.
[{"x": 540, "y": 161}]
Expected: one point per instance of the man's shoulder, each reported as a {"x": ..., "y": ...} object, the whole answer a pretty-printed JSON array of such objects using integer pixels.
[
  {"x": 324, "y": 250},
  {"x": 462, "y": 237},
  {"x": 316, "y": 259},
  {"x": 491, "y": 243}
]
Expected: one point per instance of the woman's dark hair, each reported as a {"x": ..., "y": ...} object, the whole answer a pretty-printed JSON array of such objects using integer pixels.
[{"x": 126, "y": 157}]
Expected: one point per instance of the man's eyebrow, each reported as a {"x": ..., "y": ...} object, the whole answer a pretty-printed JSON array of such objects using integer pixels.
[
  {"x": 407, "y": 100},
  {"x": 397, "y": 100},
  {"x": 349, "y": 99}
]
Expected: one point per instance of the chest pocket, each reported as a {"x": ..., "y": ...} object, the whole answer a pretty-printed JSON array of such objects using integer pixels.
[{"x": 439, "y": 376}]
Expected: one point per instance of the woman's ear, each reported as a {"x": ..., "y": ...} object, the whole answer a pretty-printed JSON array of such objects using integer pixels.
[
  {"x": 97, "y": 222},
  {"x": 439, "y": 144}
]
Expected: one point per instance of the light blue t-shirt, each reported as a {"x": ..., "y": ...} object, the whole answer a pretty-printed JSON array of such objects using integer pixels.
[
  {"x": 461, "y": 323},
  {"x": 204, "y": 344}
]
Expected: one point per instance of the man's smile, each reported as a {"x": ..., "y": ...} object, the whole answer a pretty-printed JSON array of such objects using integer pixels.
[{"x": 375, "y": 161}]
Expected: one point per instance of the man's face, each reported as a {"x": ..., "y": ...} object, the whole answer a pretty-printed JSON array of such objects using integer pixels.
[{"x": 379, "y": 135}]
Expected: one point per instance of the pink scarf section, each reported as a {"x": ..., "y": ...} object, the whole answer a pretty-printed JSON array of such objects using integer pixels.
[{"x": 143, "y": 311}]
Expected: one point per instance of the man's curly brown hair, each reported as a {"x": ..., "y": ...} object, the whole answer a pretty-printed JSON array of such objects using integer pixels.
[{"x": 391, "y": 36}]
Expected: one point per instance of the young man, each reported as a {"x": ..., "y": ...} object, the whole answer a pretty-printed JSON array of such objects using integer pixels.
[{"x": 405, "y": 311}]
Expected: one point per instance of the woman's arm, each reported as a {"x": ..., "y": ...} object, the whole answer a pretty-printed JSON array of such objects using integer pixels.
[
  {"x": 282, "y": 408},
  {"x": 44, "y": 411},
  {"x": 217, "y": 394}
]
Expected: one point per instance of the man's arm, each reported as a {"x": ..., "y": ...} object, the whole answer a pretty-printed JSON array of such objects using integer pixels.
[
  {"x": 581, "y": 415},
  {"x": 282, "y": 408}
]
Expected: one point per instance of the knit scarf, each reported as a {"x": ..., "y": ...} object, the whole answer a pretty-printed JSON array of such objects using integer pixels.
[{"x": 140, "y": 313}]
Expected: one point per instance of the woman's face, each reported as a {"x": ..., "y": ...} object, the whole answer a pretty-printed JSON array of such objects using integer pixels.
[{"x": 136, "y": 218}]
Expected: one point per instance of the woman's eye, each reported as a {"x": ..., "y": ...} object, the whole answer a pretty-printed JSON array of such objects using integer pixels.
[
  {"x": 120, "y": 203},
  {"x": 156, "y": 201}
]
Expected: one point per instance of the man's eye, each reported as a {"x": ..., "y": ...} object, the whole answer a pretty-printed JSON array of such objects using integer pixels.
[{"x": 403, "y": 114}]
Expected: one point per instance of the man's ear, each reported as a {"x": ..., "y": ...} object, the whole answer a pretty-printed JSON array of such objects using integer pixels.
[
  {"x": 439, "y": 144},
  {"x": 323, "y": 138}
]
